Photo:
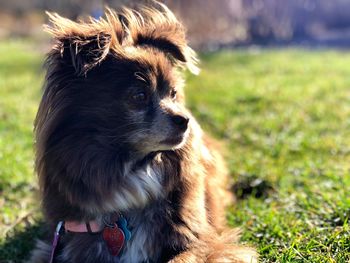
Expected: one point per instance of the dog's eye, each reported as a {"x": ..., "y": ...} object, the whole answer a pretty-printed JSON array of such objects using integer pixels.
[
  {"x": 139, "y": 97},
  {"x": 173, "y": 93}
]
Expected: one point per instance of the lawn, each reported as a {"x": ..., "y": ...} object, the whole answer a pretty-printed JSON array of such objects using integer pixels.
[{"x": 284, "y": 116}]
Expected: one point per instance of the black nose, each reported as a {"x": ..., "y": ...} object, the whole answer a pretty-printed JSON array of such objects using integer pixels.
[{"x": 180, "y": 121}]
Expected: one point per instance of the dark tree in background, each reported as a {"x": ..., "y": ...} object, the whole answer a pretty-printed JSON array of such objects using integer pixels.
[{"x": 283, "y": 21}]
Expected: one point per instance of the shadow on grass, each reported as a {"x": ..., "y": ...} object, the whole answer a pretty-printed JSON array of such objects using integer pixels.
[
  {"x": 17, "y": 247},
  {"x": 252, "y": 185}
]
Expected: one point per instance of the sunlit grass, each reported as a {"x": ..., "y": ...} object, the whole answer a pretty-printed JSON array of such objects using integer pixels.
[
  {"x": 284, "y": 116},
  {"x": 20, "y": 80}
]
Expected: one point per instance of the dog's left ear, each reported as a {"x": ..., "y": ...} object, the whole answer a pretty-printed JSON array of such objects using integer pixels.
[
  {"x": 83, "y": 45},
  {"x": 159, "y": 28}
]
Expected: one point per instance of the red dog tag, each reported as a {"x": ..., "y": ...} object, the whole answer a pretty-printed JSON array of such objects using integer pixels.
[{"x": 114, "y": 238}]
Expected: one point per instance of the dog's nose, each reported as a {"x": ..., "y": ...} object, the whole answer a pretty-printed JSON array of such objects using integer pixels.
[{"x": 180, "y": 121}]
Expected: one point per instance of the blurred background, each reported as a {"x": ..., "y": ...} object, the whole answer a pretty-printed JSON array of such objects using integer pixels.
[
  {"x": 274, "y": 87},
  {"x": 211, "y": 24}
]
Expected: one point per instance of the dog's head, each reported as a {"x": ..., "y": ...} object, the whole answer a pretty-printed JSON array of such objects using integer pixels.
[
  {"x": 113, "y": 97},
  {"x": 116, "y": 81}
]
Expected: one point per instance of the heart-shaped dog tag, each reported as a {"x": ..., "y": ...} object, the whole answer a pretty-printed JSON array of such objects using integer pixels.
[{"x": 114, "y": 238}]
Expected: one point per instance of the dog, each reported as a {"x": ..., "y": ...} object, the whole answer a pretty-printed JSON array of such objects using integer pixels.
[{"x": 125, "y": 171}]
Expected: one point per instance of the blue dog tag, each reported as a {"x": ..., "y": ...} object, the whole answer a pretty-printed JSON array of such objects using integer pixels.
[{"x": 123, "y": 225}]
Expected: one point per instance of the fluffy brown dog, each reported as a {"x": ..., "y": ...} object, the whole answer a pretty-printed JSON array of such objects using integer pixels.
[{"x": 115, "y": 141}]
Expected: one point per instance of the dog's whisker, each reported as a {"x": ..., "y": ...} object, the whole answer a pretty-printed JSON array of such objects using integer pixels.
[
  {"x": 129, "y": 125},
  {"x": 127, "y": 136}
]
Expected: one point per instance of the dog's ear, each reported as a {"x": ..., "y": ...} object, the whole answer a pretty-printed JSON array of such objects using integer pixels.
[
  {"x": 84, "y": 44},
  {"x": 159, "y": 28}
]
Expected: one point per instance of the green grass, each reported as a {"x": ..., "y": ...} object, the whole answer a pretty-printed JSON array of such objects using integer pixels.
[
  {"x": 20, "y": 80},
  {"x": 284, "y": 116}
]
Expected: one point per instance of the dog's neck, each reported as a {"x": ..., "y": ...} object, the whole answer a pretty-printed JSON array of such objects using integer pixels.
[
  {"x": 144, "y": 160},
  {"x": 143, "y": 183},
  {"x": 131, "y": 168}
]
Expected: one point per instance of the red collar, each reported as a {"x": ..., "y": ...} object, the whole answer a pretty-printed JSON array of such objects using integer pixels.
[
  {"x": 82, "y": 227},
  {"x": 115, "y": 235},
  {"x": 93, "y": 226}
]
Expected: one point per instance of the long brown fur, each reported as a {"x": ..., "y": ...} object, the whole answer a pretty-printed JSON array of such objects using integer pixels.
[{"x": 86, "y": 171}]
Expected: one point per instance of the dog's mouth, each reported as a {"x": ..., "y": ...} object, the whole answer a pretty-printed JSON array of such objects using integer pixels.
[{"x": 174, "y": 140}]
